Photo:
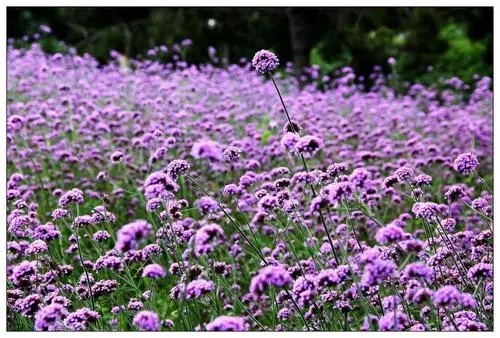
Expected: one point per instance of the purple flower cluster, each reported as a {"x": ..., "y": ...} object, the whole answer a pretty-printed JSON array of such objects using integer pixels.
[
  {"x": 344, "y": 208},
  {"x": 147, "y": 321},
  {"x": 269, "y": 276},
  {"x": 465, "y": 163},
  {"x": 227, "y": 323},
  {"x": 265, "y": 61}
]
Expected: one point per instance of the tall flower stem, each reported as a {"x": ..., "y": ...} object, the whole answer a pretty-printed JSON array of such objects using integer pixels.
[
  {"x": 233, "y": 222},
  {"x": 304, "y": 163},
  {"x": 483, "y": 181},
  {"x": 259, "y": 253},
  {"x": 289, "y": 121}
]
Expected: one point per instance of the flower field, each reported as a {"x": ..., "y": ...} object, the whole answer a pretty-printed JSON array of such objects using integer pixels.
[{"x": 147, "y": 196}]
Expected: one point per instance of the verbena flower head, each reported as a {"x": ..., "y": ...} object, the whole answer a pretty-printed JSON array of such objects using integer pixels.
[
  {"x": 265, "y": 61},
  {"x": 116, "y": 156},
  {"x": 147, "y": 321},
  {"x": 466, "y": 163},
  {"x": 153, "y": 271},
  {"x": 74, "y": 196},
  {"x": 80, "y": 319},
  {"x": 129, "y": 236},
  {"x": 426, "y": 210},
  {"x": 309, "y": 144},
  {"x": 50, "y": 318},
  {"x": 449, "y": 297},
  {"x": 454, "y": 193},
  {"x": 390, "y": 233},
  {"x": 270, "y": 275},
  {"x": 393, "y": 321},
  {"x": 293, "y": 127},
  {"x": 178, "y": 168},
  {"x": 232, "y": 154},
  {"x": 198, "y": 288},
  {"x": 404, "y": 174},
  {"x": 227, "y": 323},
  {"x": 377, "y": 272}
]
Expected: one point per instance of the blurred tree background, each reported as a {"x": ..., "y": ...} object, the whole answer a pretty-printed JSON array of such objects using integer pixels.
[{"x": 450, "y": 41}]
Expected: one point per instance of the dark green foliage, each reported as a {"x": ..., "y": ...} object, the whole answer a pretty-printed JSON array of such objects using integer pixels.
[{"x": 455, "y": 41}]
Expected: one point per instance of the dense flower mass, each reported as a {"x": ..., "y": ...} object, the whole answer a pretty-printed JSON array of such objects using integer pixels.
[{"x": 156, "y": 195}]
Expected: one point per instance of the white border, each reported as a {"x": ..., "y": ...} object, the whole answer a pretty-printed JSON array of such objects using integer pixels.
[{"x": 254, "y": 3}]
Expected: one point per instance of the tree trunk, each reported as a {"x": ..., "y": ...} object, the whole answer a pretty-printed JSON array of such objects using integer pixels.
[{"x": 298, "y": 37}]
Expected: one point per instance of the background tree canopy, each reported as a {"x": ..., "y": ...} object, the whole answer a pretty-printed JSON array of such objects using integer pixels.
[{"x": 450, "y": 41}]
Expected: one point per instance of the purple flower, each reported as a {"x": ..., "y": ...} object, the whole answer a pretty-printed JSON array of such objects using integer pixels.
[
  {"x": 74, "y": 196},
  {"x": 336, "y": 169},
  {"x": 454, "y": 193},
  {"x": 332, "y": 277},
  {"x": 418, "y": 270},
  {"x": 480, "y": 271},
  {"x": 268, "y": 203},
  {"x": 29, "y": 305},
  {"x": 404, "y": 174},
  {"x": 207, "y": 149},
  {"x": 422, "y": 179},
  {"x": 101, "y": 235},
  {"x": 377, "y": 272},
  {"x": 46, "y": 232},
  {"x": 227, "y": 323},
  {"x": 393, "y": 321},
  {"x": 265, "y": 61},
  {"x": 289, "y": 142},
  {"x": 232, "y": 154},
  {"x": 79, "y": 320},
  {"x": 284, "y": 314},
  {"x": 103, "y": 287},
  {"x": 59, "y": 214},
  {"x": 304, "y": 290},
  {"x": 482, "y": 205},
  {"x": 231, "y": 190},
  {"x": 449, "y": 224},
  {"x": 129, "y": 235},
  {"x": 159, "y": 185},
  {"x": 466, "y": 163},
  {"x": 50, "y": 318},
  {"x": 464, "y": 321},
  {"x": 389, "y": 181},
  {"x": 449, "y": 297},
  {"x": 270, "y": 275},
  {"x": 390, "y": 233},
  {"x": 110, "y": 261},
  {"x": 153, "y": 271},
  {"x": 337, "y": 192},
  {"x": 135, "y": 305},
  {"x": 116, "y": 156},
  {"x": 154, "y": 204},
  {"x": 293, "y": 127},
  {"x": 309, "y": 144},
  {"x": 178, "y": 168},
  {"x": 147, "y": 321},
  {"x": 23, "y": 272},
  {"x": 206, "y": 204},
  {"x": 198, "y": 288},
  {"x": 426, "y": 210},
  {"x": 36, "y": 247}
]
